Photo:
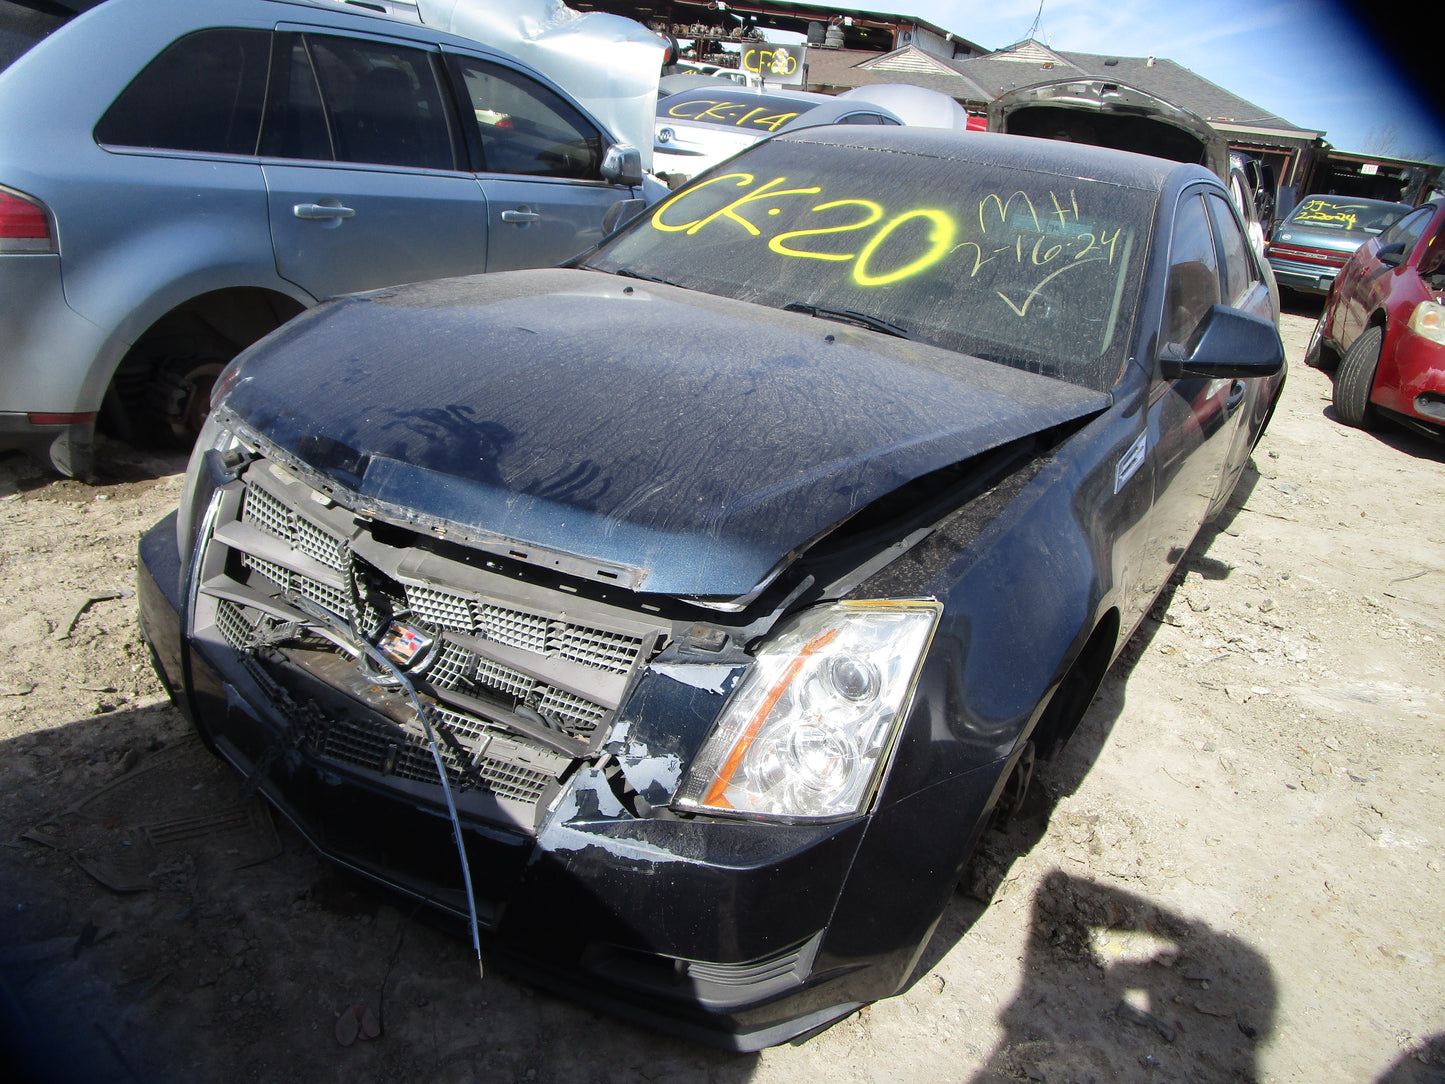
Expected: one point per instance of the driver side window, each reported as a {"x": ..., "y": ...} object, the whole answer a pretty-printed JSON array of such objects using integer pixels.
[{"x": 1193, "y": 287}]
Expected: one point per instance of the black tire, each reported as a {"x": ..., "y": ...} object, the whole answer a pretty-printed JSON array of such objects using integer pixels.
[
  {"x": 160, "y": 402},
  {"x": 185, "y": 387},
  {"x": 1355, "y": 379}
]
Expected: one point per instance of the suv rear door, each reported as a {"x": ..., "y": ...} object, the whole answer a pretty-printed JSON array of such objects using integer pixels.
[{"x": 365, "y": 170}]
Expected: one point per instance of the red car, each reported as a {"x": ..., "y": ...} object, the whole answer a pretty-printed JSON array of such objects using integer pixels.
[{"x": 1383, "y": 327}]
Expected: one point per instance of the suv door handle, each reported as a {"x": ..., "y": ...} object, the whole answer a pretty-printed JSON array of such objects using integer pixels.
[
  {"x": 312, "y": 211},
  {"x": 521, "y": 216}
]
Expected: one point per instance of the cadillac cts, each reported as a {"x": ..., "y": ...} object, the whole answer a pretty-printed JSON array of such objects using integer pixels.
[{"x": 680, "y": 615}]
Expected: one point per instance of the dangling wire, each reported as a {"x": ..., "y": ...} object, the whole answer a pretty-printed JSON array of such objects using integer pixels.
[
  {"x": 326, "y": 617},
  {"x": 1034, "y": 28}
]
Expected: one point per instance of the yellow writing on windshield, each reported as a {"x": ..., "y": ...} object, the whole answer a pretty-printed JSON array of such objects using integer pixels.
[
  {"x": 940, "y": 238},
  {"x": 736, "y": 114},
  {"x": 872, "y": 213},
  {"x": 1001, "y": 208},
  {"x": 1029, "y": 239},
  {"x": 766, "y": 192},
  {"x": 1327, "y": 212}
]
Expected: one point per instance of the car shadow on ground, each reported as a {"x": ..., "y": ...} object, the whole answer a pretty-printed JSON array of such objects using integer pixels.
[
  {"x": 1423, "y": 1063},
  {"x": 1307, "y": 305},
  {"x": 118, "y": 466},
  {"x": 1071, "y": 915},
  {"x": 1108, "y": 973},
  {"x": 159, "y": 925},
  {"x": 1403, "y": 440},
  {"x": 1012, "y": 835}
]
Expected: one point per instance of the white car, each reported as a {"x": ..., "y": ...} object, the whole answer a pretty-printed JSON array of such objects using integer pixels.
[{"x": 703, "y": 125}]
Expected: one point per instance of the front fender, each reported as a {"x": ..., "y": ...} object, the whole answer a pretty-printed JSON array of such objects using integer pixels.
[{"x": 1025, "y": 572}]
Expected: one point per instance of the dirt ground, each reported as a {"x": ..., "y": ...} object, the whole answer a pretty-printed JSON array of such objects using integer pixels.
[{"x": 1238, "y": 873}]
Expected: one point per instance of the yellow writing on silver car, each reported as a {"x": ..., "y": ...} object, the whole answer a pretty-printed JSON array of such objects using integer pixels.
[{"x": 735, "y": 114}]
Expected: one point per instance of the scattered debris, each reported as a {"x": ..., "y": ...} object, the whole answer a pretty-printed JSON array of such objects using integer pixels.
[
  {"x": 1135, "y": 1015},
  {"x": 83, "y": 603}
]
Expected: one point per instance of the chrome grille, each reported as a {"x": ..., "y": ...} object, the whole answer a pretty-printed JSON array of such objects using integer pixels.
[
  {"x": 440, "y": 608},
  {"x": 314, "y": 542},
  {"x": 453, "y": 667},
  {"x": 505, "y": 678},
  {"x": 543, "y": 650},
  {"x": 576, "y": 713},
  {"x": 234, "y": 626},
  {"x": 593, "y": 647},
  {"x": 597, "y": 648},
  {"x": 457, "y": 668},
  {"x": 390, "y": 751},
  {"x": 504, "y": 777},
  {"x": 262, "y": 510},
  {"x": 515, "y": 628},
  {"x": 333, "y": 598}
]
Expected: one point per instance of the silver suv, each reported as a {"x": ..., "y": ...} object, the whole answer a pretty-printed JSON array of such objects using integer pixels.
[{"x": 178, "y": 179}]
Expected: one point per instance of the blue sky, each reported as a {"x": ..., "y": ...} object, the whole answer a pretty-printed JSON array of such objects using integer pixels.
[{"x": 1303, "y": 60}]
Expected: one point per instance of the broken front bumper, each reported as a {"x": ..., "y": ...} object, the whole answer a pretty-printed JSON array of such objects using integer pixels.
[{"x": 738, "y": 933}]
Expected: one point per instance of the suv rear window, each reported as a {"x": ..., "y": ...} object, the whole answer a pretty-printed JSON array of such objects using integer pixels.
[
  {"x": 26, "y": 22},
  {"x": 203, "y": 93}
]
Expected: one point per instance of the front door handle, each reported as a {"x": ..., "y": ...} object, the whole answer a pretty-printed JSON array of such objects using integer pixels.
[
  {"x": 321, "y": 211},
  {"x": 521, "y": 216},
  {"x": 1236, "y": 394}
]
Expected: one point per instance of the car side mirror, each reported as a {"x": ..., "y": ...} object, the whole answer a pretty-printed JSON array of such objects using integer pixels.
[
  {"x": 1229, "y": 344},
  {"x": 1392, "y": 255},
  {"x": 620, "y": 214},
  {"x": 622, "y": 165}
]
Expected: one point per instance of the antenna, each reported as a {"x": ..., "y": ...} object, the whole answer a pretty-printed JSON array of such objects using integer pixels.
[{"x": 1033, "y": 29}]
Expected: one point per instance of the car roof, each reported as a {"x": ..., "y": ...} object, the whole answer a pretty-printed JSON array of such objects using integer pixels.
[
  {"x": 831, "y": 112},
  {"x": 1081, "y": 160}
]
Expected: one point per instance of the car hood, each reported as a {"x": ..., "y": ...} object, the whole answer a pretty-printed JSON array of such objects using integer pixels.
[{"x": 664, "y": 439}]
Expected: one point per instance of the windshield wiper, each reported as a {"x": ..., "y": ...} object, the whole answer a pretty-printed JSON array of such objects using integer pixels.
[
  {"x": 628, "y": 273},
  {"x": 848, "y": 316}
]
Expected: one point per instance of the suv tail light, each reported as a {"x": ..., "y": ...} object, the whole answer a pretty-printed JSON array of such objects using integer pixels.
[{"x": 24, "y": 224}]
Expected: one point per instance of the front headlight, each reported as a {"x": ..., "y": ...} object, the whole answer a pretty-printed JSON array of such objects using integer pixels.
[
  {"x": 1428, "y": 321},
  {"x": 810, "y": 728}
]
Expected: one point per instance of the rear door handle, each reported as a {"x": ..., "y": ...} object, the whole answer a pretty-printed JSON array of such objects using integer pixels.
[
  {"x": 314, "y": 211},
  {"x": 521, "y": 216}
]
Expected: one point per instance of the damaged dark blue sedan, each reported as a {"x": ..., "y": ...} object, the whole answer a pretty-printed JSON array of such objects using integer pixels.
[{"x": 682, "y": 614}]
